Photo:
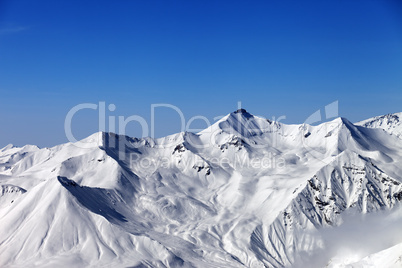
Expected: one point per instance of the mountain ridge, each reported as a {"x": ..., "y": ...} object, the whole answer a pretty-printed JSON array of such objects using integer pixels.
[{"x": 226, "y": 196}]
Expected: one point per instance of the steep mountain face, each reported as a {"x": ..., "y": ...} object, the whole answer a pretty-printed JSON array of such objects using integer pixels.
[
  {"x": 245, "y": 192},
  {"x": 349, "y": 182}
]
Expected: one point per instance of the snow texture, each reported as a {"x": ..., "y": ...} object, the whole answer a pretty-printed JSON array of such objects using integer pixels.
[{"x": 245, "y": 192}]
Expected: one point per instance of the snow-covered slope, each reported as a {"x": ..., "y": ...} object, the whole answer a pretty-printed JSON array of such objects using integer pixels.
[
  {"x": 388, "y": 258},
  {"x": 392, "y": 123},
  {"x": 245, "y": 192}
]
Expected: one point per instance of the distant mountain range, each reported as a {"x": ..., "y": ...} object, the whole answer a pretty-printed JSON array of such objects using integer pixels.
[{"x": 245, "y": 192}]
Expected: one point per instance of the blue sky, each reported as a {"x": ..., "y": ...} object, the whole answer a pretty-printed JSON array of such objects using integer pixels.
[{"x": 276, "y": 57}]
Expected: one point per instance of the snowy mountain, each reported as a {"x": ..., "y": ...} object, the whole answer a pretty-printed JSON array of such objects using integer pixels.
[
  {"x": 245, "y": 192},
  {"x": 390, "y": 123}
]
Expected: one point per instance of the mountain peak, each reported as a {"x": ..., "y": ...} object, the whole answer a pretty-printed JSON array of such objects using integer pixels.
[
  {"x": 7, "y": 147},
  {"x": 391, "y": 123},
  {"x": 243, "y": 112}
]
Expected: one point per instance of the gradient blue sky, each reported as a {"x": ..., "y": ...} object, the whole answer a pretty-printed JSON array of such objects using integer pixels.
[{"x": 276, "y": 57}]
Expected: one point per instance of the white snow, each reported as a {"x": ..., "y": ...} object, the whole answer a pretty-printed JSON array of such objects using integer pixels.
[
  {"x": 390, "y": 123},
  {"x": 245, "y": 192}
]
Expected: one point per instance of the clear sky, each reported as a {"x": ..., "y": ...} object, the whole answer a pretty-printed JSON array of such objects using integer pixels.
[{"x": 276, "y": 57}]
